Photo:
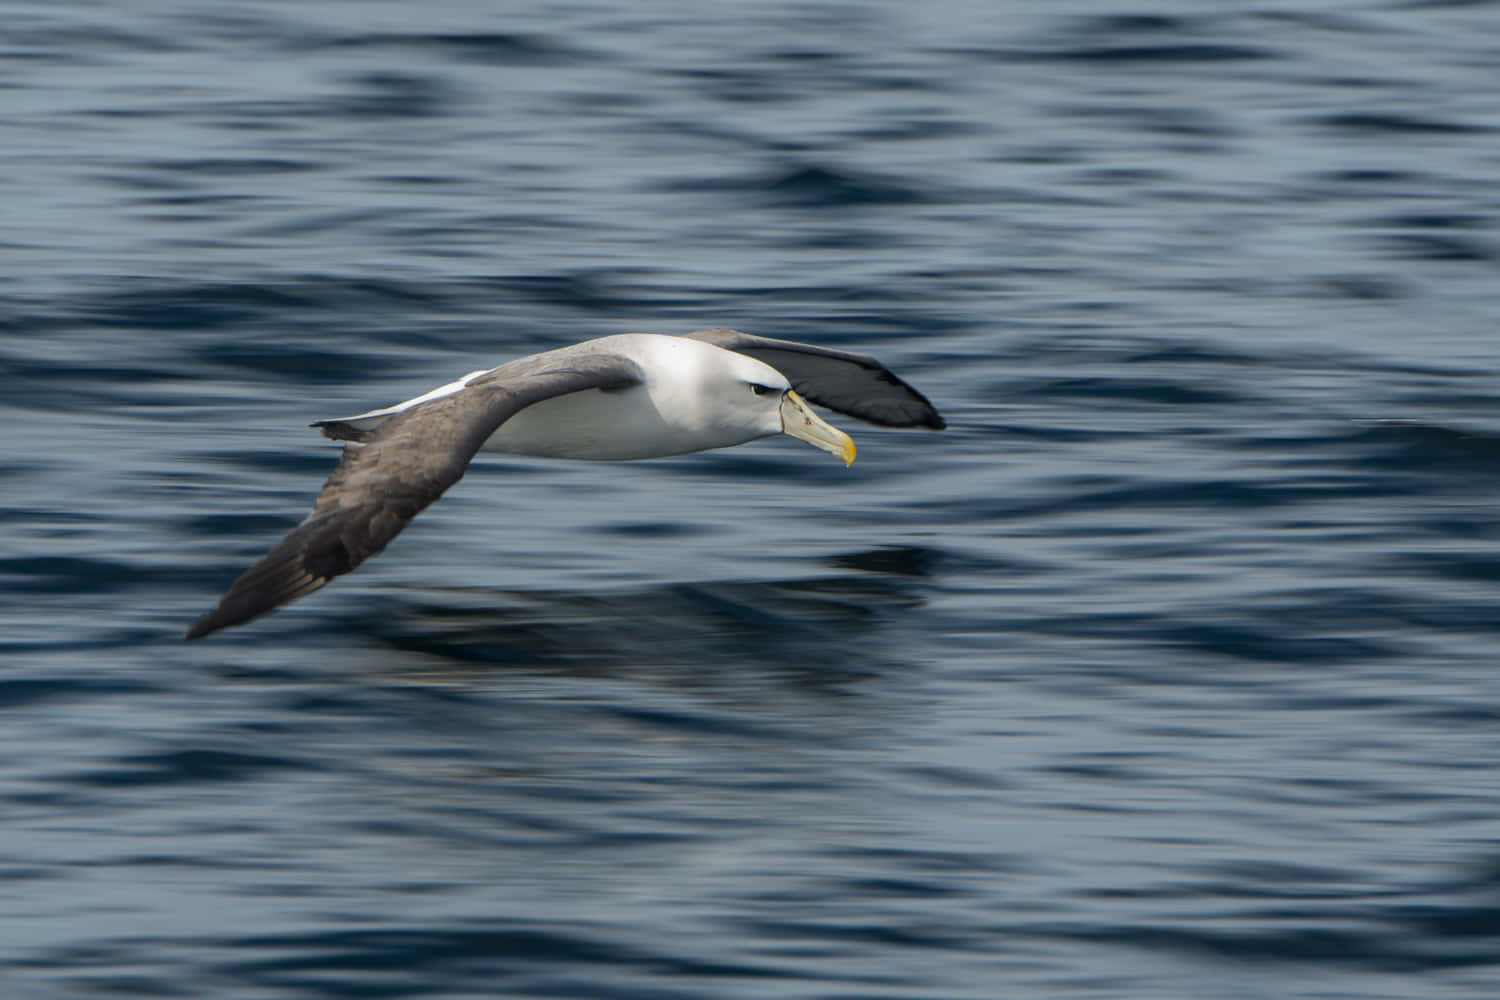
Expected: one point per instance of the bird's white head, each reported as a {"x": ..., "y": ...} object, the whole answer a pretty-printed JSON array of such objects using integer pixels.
[{"x": 732, "y": 398}]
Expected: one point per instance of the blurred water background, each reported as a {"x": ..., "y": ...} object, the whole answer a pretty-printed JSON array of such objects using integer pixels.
[{"x": 1168, "y": 671}]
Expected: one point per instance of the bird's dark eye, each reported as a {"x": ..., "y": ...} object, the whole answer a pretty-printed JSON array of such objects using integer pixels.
[{"x": 761, "y": 390}]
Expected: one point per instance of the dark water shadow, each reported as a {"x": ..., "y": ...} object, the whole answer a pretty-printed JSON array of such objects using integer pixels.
[{"x": 817, "y": 631}]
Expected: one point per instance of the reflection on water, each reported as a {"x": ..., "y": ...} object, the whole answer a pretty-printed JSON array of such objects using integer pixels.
[{"x": 820, "y": 628}]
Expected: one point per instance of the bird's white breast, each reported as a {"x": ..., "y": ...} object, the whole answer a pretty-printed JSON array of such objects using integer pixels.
[{"x": 695, "y": 397}]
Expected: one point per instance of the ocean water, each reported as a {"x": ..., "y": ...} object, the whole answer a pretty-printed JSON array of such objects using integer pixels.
[{"x": 1169, "y": 670}]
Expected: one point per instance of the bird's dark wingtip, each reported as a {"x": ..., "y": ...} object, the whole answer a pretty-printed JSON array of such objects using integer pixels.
[
  {"x": 339, "y": 430},
  {"x": 200, "y": 628},
  {"x": 211, "y": 622},
  {"x": 218, "y": 618}
]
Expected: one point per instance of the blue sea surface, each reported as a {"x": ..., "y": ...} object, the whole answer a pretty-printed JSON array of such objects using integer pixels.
[{"x": 1167, "y": 672}]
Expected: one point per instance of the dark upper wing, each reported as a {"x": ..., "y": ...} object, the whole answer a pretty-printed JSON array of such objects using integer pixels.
[
  {"x": 381, "y": 485},
  {"x": 854, "y": 384}
]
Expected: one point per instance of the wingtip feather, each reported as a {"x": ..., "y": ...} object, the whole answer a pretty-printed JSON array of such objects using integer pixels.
[{"x": 252, "y": 596}]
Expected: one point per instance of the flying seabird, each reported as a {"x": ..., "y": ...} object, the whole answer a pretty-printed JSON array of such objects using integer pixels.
[{"x": 628, "y": 396}]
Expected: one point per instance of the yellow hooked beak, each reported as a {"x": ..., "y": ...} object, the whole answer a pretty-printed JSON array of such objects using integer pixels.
[{"x": 803, "y": 424}]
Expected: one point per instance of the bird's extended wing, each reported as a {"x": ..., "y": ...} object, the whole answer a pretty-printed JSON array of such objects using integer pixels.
[
  {"x": 848, "y": 383},
  {"x": 382, "y": 484}
]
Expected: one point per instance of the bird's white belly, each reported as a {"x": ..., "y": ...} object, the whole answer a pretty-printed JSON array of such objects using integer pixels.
[{"x": 609, "y": 426}]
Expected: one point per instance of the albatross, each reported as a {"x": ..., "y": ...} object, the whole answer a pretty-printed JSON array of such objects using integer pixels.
[{"x": 617, "y": 398}]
